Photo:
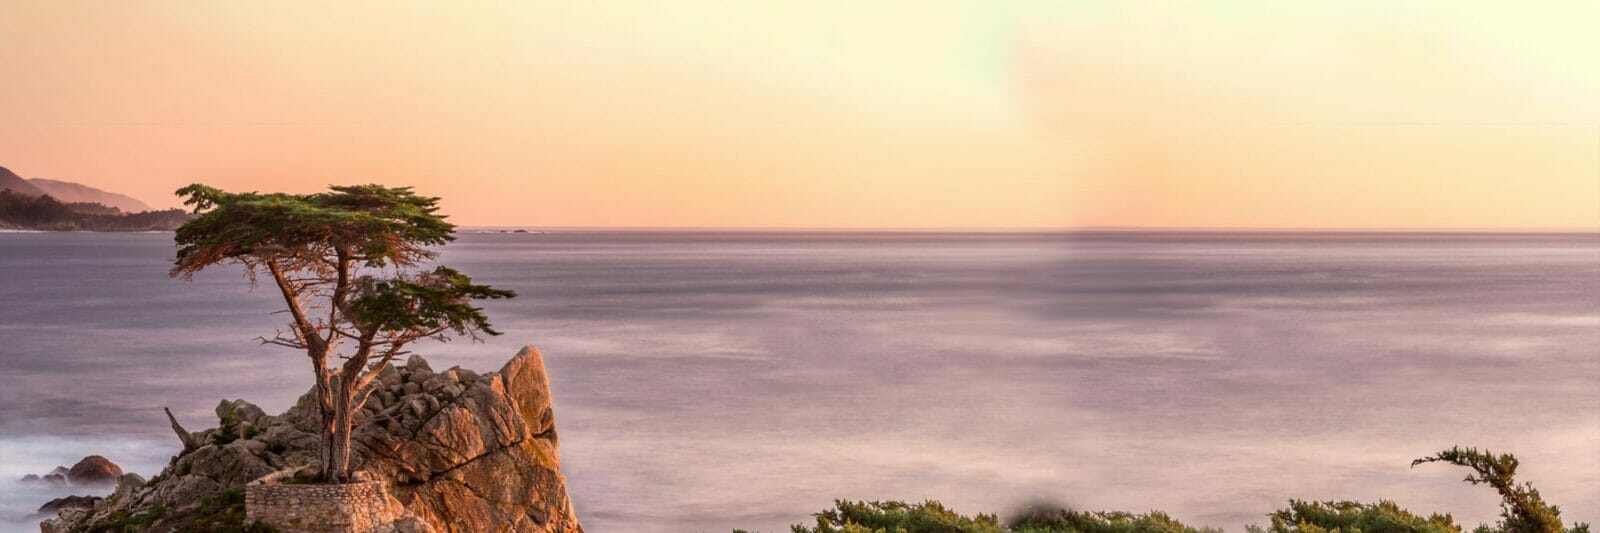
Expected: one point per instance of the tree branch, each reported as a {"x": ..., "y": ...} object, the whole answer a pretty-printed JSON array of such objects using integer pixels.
[
  {"x": 366, "y": 391},
  {"x": 291, "y": 297},
  {"x": 341, "y": 289}
]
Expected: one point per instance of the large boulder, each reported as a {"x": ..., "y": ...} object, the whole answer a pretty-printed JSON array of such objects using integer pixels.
[
  {"x": 460, "y": 451},
  {"x": 240, "y": 410},
  {"x": 94, "y": 470},
  {"x": 180, "y": 491},
  {"x": 230, "y": 465},
  {"x": 485, "y": 455}
]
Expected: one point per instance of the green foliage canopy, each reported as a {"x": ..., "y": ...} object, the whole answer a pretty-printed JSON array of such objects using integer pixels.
[
  {"x": 372, "y": 225},
  {"x": 427, "y": 303}
]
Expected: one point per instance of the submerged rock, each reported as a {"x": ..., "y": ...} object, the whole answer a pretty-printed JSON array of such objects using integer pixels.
[
  {"x": 460, "y": 451},
  {"x": 90, "y": 471}
]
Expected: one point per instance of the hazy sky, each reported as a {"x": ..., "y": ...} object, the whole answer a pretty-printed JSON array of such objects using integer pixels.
[{"x": 831, "y": 114}]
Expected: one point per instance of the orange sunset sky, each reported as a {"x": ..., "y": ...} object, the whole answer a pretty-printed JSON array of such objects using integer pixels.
[{"x": 809, "y": 114}]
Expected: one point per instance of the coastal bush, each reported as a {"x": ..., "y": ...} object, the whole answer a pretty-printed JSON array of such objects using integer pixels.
[
  {"x": 1064, "y": 520},
  {"x": 1350, "y": 517},
  {"x": 897, "y": 517},
  {"x": 1522, "y": 510},
  {"x": 933, "y": 517},
  {"x": 223, "y": 512},
  {"x": 1299, "y": 517},
  {"x": 228, "y": 431}
]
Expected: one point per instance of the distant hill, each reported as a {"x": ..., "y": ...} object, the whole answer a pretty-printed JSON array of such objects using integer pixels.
[
  {"x": 70, "y": 192},
  {"x": 10, "y": 180},
  {"x": 45, "y": 213},
  {"x": 52, "y": 205}
]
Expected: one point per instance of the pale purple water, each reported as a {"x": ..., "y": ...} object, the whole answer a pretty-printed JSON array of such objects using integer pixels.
[{"x": 706, "y": 381}]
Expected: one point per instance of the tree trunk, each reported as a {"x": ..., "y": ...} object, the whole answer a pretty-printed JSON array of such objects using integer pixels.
[
  {"x": 326, "y": 390},
  {"x": 348, "y": 381},
  {"x": 339, "y": 438}
]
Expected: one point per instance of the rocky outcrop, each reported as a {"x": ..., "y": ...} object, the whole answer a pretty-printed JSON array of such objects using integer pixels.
[
  {"x": 458, "y": 450},
  {"x": 470, "y": 450},
  {"x": 68, "y": 502},
  {"x": 94, "y": 470}
]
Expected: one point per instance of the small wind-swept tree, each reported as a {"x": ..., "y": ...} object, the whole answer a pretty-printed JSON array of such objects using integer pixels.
[
  {"x": 347, "y": 264},
  {"x": 1522, "y": 510}
]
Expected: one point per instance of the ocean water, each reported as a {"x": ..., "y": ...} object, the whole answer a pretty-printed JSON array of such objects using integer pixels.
[{"x": 706, "y": 381}]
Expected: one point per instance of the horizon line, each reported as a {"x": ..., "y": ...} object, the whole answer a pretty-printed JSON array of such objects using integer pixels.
[{"x": 1035, "y": 229}]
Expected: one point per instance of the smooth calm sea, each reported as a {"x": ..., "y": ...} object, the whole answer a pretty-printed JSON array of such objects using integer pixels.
[{"x": 706, "y": 381}]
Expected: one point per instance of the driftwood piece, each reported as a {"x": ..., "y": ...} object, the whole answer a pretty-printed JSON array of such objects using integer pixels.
[{"x": 189, "y": 444}]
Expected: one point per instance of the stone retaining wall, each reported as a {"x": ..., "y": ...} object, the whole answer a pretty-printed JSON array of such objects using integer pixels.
[{"x": 352, "y": 507}]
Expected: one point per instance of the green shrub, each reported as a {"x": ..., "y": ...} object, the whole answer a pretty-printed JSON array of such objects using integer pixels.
[
  {"x": 121, "y": 521},
  {"x": 1353, "y": 517},
  {"x": 898, "y": 517},
  {"x": 229, "y": 430},
  {"x": 223, "y": 512},
  {"x": 1522, "y": 510},
  {"x": 1062, "y": 520},
  {"x": 933, "y": 517}
]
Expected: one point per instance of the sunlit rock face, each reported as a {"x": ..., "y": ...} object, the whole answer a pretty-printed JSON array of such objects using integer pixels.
[
  {"x": 459, "y": 450},
  {"x": 94, "y": 470},
  {"x": 470, "y": 452}
]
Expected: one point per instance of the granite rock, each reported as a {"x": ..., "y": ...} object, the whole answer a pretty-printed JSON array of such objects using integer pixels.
[{"x": 459, "y": 450}]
